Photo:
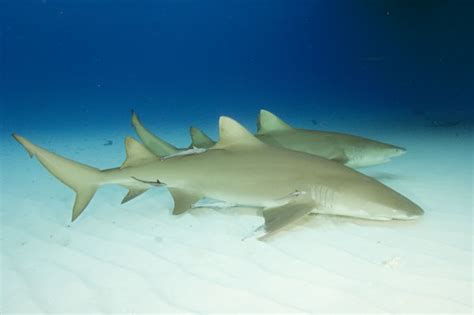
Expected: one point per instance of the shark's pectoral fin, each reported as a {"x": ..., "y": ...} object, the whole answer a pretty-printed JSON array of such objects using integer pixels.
[
  {"x": 183, "y": 199},
  {"x": 279, "y": 217},
  {"x": 133, "y": 193}
]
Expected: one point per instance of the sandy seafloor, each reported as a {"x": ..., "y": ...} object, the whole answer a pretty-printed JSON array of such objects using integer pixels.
[{"x": 137, "y": 258}]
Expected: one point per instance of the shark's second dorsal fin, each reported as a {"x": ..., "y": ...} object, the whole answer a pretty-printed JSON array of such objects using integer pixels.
[
  {"x": 200, "y": 139},
  {"x": 137, "y": 153},
  {"x": 268, "y": 122},
  {"x": 233, "y": 133}
]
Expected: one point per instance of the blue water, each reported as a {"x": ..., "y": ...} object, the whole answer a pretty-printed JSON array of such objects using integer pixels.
[
  {"x": 71, "y": 71},
  {"x": 67, "y": 66}
]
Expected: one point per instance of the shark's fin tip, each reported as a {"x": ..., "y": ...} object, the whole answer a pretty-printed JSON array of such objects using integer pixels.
[
  {"x": 29, "y": 147},
  {"x": 135, "y": 120}
]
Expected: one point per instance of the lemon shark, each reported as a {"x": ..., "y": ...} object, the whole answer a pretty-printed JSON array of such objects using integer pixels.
[
  {"x": 239, "y": 169},
  {"x": 351, "y": 150}
]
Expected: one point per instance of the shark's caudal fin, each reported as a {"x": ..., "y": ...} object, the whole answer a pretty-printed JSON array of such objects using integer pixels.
[
  {"x": 268, "y": 122},
  {"x": 200, "y": 139},
  {"x": 152, "y": 142},
  {"x": 83, "y": 179},
  {"x": 232, "y": 133}
]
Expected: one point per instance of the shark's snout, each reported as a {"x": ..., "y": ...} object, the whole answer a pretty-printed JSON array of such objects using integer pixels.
[
  {"x": 401, "y": 208},
  {"x": 411, "y": 212},
  {"x": 397, "y": 151},
  {"x": 373, "y": 200}
]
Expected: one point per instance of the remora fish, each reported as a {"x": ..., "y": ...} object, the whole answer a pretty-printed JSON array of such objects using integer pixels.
[
  {"x": 239, "y": 169},
  {"x": 350, "y": 150}
]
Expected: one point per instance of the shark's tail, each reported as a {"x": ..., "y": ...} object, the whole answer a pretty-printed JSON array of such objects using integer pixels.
[
  {"x": 200, "y": 139},
  {"x": 152, "y": 142},
  {"x": 83, "y": 179}
]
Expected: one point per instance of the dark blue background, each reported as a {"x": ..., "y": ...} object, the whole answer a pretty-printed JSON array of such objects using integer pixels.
[{"x": 67, "y": 62}]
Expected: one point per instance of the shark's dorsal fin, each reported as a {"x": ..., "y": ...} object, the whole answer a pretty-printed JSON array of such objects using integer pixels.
[
  {"x": 233, "y": 133},
  {"x": 268, "y": 122},
  {"x": 200, "y": 139},
  {"x": 137, "y": 153}
]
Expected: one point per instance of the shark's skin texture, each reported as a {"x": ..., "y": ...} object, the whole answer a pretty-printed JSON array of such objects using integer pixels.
[
  {"x": 350, "y": 150},
  {"x": 243, "y": 170}
]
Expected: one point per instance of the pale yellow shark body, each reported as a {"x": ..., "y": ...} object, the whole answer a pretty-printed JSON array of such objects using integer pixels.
[{"x": 239, "y": 169}]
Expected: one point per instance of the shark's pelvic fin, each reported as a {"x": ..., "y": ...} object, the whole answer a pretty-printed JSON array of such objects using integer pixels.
[
  {"x": 83, "y": 179},
  {"x": 183, "y": 199},
  {"x": 152, "y": 142},
  {"x": 277, "y": 218},
  {"x": 232, "y": 133},
  {"x": 200, "y": 139},
  {"x": 137, "y": 153},
  {"x": 268, "y": 122}
]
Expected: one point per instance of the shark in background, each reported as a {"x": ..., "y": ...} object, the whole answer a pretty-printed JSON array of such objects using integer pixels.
[
  {"x": 240, "y": 169},
  {"x": 350, "y": 150}
]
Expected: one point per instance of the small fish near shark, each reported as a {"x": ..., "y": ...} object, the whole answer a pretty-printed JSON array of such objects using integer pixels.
[
  {"x": 239, "y": 169},
  {"x": 352, "y": 151}
]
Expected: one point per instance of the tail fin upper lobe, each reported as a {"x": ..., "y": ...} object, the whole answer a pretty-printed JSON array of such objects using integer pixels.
[{"x": 153, "y": 143}]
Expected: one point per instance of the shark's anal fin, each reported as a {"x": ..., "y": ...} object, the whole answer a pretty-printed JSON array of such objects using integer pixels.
[
  {"x": 277, "y": 218},
  {"x": 133, "y": 193},
  {"x": 183, "y": 199}
]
